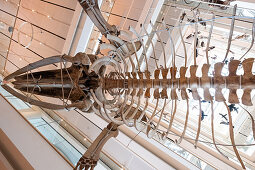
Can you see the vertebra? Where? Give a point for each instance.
(232, 82)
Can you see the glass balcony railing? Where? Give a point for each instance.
(72, 154)
(172, 146)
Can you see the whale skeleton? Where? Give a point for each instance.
(119, 89)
